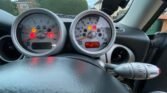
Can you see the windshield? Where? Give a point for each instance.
(61, 7)
(68, 7)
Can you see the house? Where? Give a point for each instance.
(23, 5)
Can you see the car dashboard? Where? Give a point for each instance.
(92, 33)
(42, 47)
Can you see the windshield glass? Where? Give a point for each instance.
(61, 7)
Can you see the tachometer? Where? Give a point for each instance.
(92, 33)
(38, 32)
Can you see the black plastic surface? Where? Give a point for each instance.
(56, 75)
(159, 43)
(6, 19)
(134, 39)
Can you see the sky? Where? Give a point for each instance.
(13, 0)
(91, 2)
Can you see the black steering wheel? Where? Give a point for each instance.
(65, 74)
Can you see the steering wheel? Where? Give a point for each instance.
(63, 74)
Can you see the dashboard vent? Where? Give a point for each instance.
(8, 52)
(120, 54)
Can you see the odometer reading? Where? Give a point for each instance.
(92, 44)
(41, 46)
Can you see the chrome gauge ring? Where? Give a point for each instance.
(38, 32)
(92, 33)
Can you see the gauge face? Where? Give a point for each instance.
(38, 32)
(93, 33)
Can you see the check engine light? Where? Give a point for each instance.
(92, 44)
(89, 27)
(34, 30)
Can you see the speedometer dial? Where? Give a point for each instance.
(92, 33)
(38, 32)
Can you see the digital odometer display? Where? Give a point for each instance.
(93, 32)
(38, 32)
(40, 46)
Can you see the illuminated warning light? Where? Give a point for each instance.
(33, 30)
(51, 35)
(94, 28)
(92, 44)
(89, 27)
(32, 35)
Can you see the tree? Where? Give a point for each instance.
(8, 6)
(58, 6)
(64, 6)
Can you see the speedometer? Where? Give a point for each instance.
(38, 32)
(92, 33)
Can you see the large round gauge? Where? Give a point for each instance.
(38, 32)
(92, 33)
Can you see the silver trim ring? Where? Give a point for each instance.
(131, 54)
(4, 59)
(54, 50)
(78, 47)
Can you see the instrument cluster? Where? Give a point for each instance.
(40, 32)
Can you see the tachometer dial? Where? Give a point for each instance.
(92, 33)
(38, 32)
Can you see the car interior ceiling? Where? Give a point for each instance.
(73, 71)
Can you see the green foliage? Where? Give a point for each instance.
(8, 6)
(64, 6)
(58, 6)
(155, 27)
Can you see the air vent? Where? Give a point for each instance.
(120, 54)
(8, 53)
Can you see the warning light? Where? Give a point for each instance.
(34, 30)
(51, 35)
(92, 44)
(94, 27)
(32, 35)
(89, 27)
